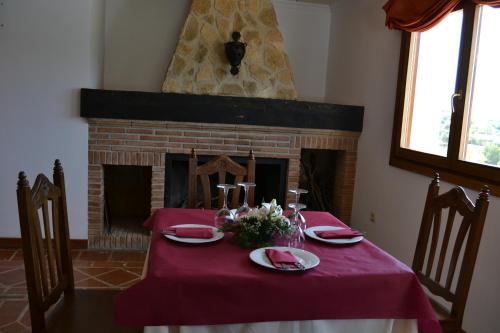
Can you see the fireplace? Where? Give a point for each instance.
(151, 130)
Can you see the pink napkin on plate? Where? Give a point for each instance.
(195, 232)
(281, 259)
(336, 234)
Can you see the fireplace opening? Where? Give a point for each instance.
(270, 180)
(127, 198)
(317, 175)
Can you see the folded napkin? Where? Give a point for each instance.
(195, 232)
(281, 259)
(339, 233)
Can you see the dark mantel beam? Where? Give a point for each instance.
(112, 104)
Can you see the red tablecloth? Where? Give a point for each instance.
(217, 283)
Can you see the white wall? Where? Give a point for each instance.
(49, 50)
(363, 65)
(306, 31)
(140, 39)
(141, 36)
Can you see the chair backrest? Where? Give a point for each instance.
(470, 229)
(221, 165)
(46, 250)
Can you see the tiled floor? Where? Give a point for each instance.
(92, 270)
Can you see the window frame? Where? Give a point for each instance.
(451, 168)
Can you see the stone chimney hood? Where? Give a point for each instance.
(199, 65)
(199, 87)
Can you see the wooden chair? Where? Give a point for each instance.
(55, 305)
(221, 165)
(470, 229)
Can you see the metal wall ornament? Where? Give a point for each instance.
(235, 51)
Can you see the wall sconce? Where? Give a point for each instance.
(235, 51)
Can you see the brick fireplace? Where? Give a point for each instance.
(134, 141)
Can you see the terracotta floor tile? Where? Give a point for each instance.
(95, 255)
(78, 276)
(92, 270)
(82, 263)
(128, 256)
(18, 255)
(116, 264)
(7, 254)
(11, 277)
(95, 271)
(135, 270)
(8, 265)
(10, 310)
(25, 319)
(15, 293)
(117, 277)
(91, 283)
(14, 328)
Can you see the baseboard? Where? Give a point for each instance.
(16, 243)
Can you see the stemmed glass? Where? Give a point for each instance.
(224, 214)
(244, 209)
(298, 225)
(298, 192)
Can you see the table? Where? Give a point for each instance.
(216, 285)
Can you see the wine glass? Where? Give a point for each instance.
(224, 214)
(298, 225)
(298, 192)
(244, 209)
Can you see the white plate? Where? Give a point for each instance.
(306, 258)
(310, 232)
(217, 234)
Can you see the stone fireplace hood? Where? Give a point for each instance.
(132, 105)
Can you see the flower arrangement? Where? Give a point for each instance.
(259, 226)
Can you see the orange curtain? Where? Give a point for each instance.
(492, 3)
(421, 15)
(417, 15)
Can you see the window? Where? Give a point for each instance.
(447, 115)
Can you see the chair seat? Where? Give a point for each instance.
(89, 311)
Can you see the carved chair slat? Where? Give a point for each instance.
(57, 238)
(207, 191)
(48, 244)
(236, 192)
(222, 180)
(444, 245)
(40, 258)
(435, 237)
(462, 232)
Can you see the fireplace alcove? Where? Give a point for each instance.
(270, 179)
(127, 198)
